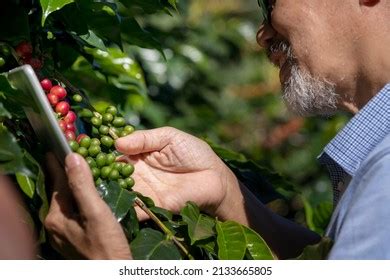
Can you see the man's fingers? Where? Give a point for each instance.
(61, 200)
(144, 141)
(56, 172)
(82, 186)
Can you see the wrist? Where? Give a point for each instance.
(231, 206)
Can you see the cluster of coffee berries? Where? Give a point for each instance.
(25, 52)
(57, 98)
(102, 160)
(98, 149)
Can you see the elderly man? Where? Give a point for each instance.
(333, 55)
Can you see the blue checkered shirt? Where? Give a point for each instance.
(358, 160)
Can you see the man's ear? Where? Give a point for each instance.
(369, 3)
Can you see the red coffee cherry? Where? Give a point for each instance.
(62, 108)
(46, 84)
(70, 117)
(53, 99)
(70, 135)
(80, 137)
(62, 125)
(35, 63)
(24, 49)
(70, 127)
(59, 91)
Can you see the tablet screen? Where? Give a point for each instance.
(39, 113)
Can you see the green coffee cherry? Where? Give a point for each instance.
(119, 122)
(129, 182)
(123, 133)
(86, 113)
(95, 142)
(82, 151)
(107, 141)
(2, 61)
(105, 172)
(107, 118)
(77, 98)
(112, 110)
(96, 121)
(110, 159)
(101, 160)
(98, 181)
(91, 162)
(104, 130)
(122, 183)
(5, 50)
(85, 142)
(74, 145)
(114, 175)
(127, 170)
(129, 129)
(94, 150)
(117, 165)
(95, 172)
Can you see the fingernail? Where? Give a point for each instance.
(72, 161)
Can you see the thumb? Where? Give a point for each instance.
(144, 141)
(82, 186)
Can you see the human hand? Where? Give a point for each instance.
(173, 167)
(79, 222)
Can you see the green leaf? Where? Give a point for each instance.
(11, 155)
(4, 112)
(173, 3)
(44, 209)
(130, 224)
(73, 20)
(210, 247)
(118, 199)
(26, 184)
(152, 245)
(317, 218)
(199, 226)
(49, 6)
(234, 240)
(318, 251)
(135, 35)
(162, 212)
(17, 97)
(40, 191)
(231, 245)
(121, 70)
(105, 25)
(93, 40)
(322, 214)
(256, 246)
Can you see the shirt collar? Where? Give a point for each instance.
(360, 136)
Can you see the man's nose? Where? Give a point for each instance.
(265, 35)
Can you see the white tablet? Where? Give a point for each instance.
(40, 114)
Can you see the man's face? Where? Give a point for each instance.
(309, 42)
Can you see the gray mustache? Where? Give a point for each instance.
(281, 47)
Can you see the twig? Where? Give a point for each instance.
(166, 230)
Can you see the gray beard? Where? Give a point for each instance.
(304, 94)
